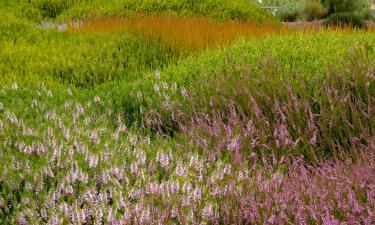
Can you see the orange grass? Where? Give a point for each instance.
(182, 33)
(187, 34)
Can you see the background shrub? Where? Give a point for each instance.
(342, 19)
(354, 6)
(289, 13)
(352, 12)
(314, 10)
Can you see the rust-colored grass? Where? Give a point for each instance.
(182, 33)
(187, 34)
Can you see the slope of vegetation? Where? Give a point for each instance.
(265, 73)
(119, 128)
(240, 9)
(39, 9)
(89, 59)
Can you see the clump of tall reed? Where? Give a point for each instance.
(192, 33)
(182, 33)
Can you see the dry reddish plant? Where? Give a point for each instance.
(183, 33)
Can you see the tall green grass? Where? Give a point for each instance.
(234, 9)
(81, 59)
(38, 10)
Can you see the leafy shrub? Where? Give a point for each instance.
(344, 19)
(352, 12)
(314, 10)
(288, 13)
(362, 7)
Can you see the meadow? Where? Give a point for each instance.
(126, 117)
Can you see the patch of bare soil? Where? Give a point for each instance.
(370, 25)
(302, 25)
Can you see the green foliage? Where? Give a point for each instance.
(13, 27)
(81, 60)
(217, 8)
(313, 10)
(338, 11)
(51, 8)
(344, 19)
(354, 6)
(290, 11)
(78, 9)
(348, 11)
(258, 68)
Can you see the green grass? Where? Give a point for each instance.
(38, 10)
(310, 59)
(234, 9)
(79, 59)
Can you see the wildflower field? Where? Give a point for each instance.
(182, 112)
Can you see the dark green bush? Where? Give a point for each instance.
(344, 19)
(361, 7)
(344, 12)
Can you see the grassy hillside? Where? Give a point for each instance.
(89, 59)
(212, 79)
(264, 72)
(216, 130)
(120, 128)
